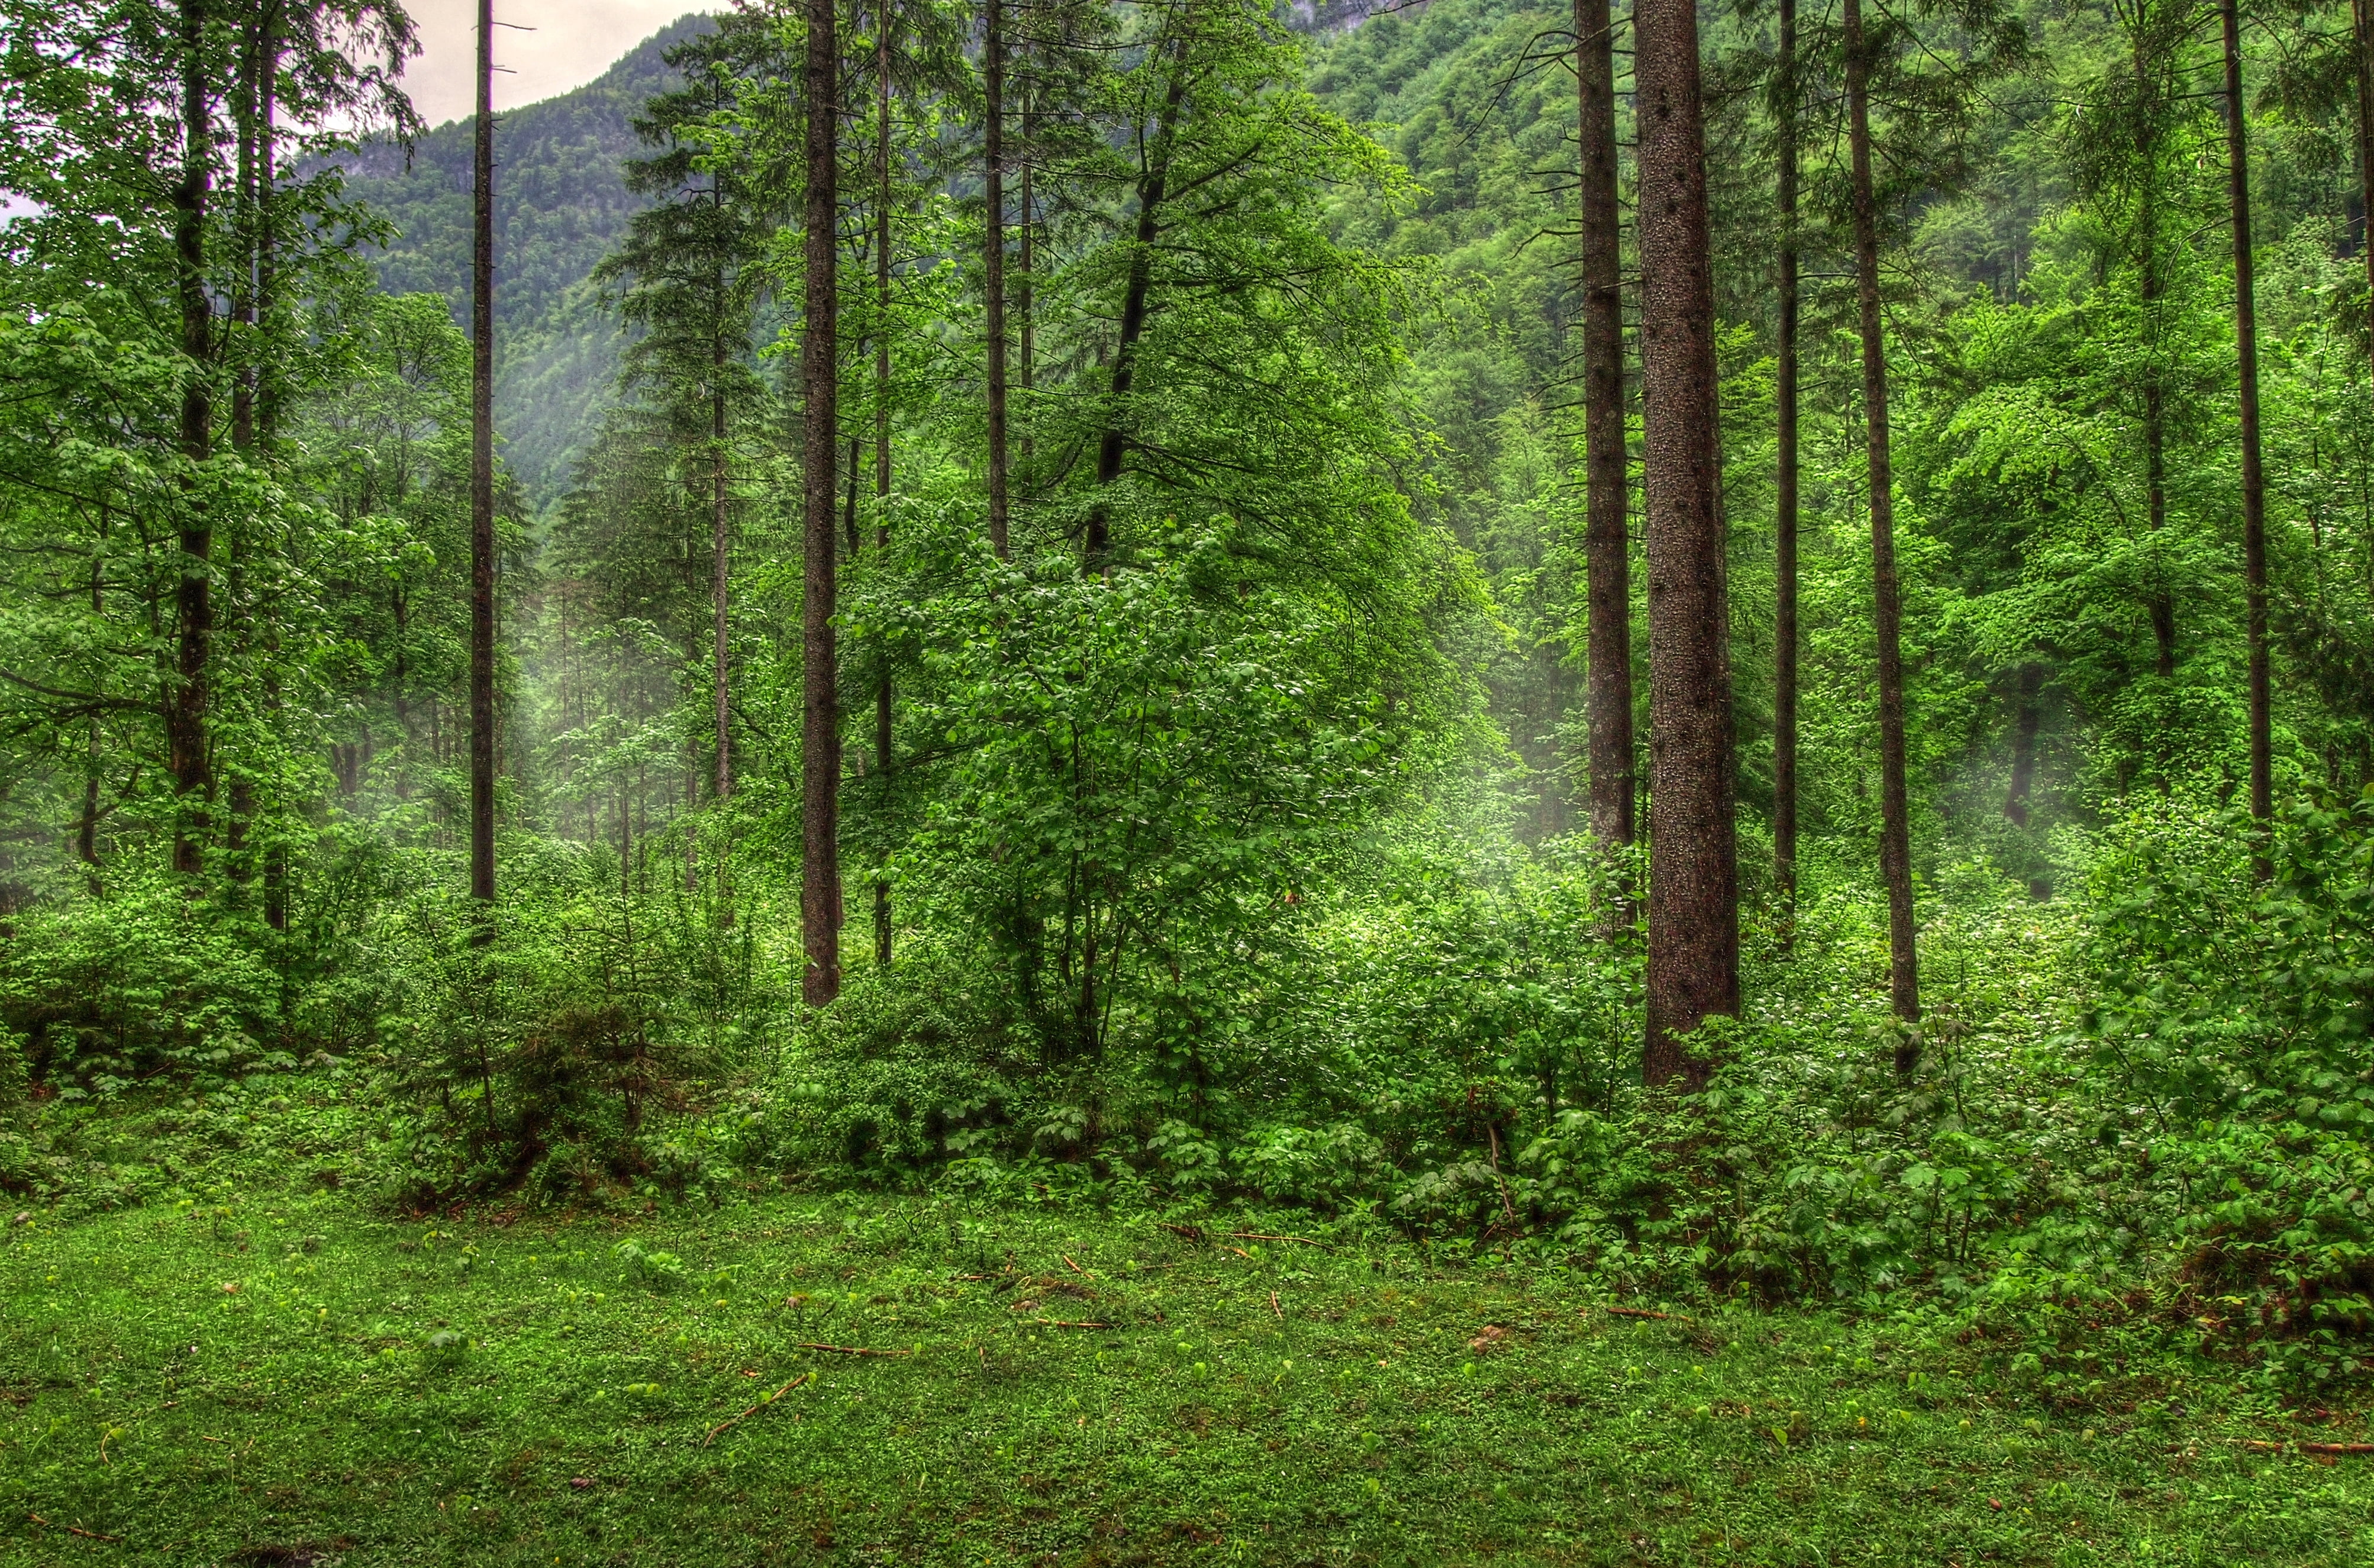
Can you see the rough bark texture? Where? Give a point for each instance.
(1606, 546)
(1784, 431)
(882, 757)
(1693, 855)
(482, 478)
(819, 378)
(1895, 828)
(185, 706)
(992, 71)
(2254, 479)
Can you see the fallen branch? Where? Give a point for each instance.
(848, 1350)
(1073, 1266)
(1266, 1236)
(75, 1530)
(753, 1411)
(2311, 1447)
(1636, 1312)
(1192, 1233)
(1276, 1308)
(1059, 1323)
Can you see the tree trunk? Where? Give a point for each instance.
(2028, 717)
(482, 486)
(1606, 546)
(1152, 185)
(719, 561)
(2254, 481)
(882, 434)
(1693, 855)
(267, 393)
(1895, 828)
(992, 70)
(1785, 397)
(819, 387)
(186, 709)
(2361, 14)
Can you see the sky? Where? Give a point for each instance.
(574, 42)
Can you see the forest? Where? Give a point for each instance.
(1357, 782)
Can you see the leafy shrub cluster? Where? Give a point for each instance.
(2158, 1093)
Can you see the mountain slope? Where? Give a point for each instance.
(560, 206)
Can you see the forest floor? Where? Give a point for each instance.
(288, 1380)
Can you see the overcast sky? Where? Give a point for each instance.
(575, 42)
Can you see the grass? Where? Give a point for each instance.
(286, 1380)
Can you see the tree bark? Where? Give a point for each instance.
(882, 736)
(2254, 479)
(992, 71)
(1153, 186)
(2361, 16)
(1785, 631)
(1693, 854)
(267, 391)
(2027, 718)
(482, 486)
(1606, 548)
(1895, 811)
(820, 908)
(186, 705)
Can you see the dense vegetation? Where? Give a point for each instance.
(1068, 630)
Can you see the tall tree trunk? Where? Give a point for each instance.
(2028, 716)
(246, 92)
(2361, 16)
(1606, 544)
(1784, 394)
(992, 71)
(882, 737)
(186, 709)
(482, 486)
(86, 825)
(267, 392)
(2254, 479)
(1693, 851)
(1153, 186)
(719, 560)
(1894, 810)
(820, 906)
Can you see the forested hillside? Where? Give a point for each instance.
(561, 206)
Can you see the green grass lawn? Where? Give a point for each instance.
(287, 1381)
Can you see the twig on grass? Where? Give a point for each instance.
(1637, 1312)
(1266, 1236)
(848, 1350)
(2311, 1447)
(75, 1530)
(754, 1409)
(1060, 1323)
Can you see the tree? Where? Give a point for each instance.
(1607, 479)
(1693, 855)
(1786, 110)
(1895, 808)
(2254, 482)
(482, 483)
(820, 912)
